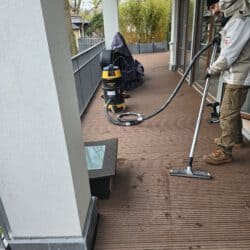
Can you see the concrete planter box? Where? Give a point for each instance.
(141, 48)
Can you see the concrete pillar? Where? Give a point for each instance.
(44, 184)
(111, 21)
(174, 34)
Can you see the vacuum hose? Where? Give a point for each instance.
(135, 118)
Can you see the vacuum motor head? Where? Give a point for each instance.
(111, 72)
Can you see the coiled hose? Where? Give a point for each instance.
(136, 118)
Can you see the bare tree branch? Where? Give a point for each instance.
(71, 36)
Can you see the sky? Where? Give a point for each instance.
(86, 5)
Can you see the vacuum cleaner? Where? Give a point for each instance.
(131, 118)
(113, 88)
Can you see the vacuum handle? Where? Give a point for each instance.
(215, 48)
(197, 127)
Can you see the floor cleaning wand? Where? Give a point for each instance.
(188, 170)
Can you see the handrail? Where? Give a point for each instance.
(87, 73)
(87, 50)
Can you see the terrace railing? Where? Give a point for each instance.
(87, 73)
(87, 42)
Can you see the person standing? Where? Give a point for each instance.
(234, 65)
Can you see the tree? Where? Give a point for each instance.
(93, 9)
(145, 20)
(96, 25)
(131, 20)
(96, 4)
(94, 15)
(71, 35)
(75, 6)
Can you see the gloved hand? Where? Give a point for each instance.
(217, 38)
(208, 73)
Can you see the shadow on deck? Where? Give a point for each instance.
(148, 208)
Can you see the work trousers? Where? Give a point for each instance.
(230, 118)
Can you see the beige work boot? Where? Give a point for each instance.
(236, 145)
(218, 157)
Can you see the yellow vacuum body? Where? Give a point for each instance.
(113, 88)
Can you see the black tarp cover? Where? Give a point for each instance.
(132, 70)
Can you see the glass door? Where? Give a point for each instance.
(205, 34)
(185, 33)
(182, 35)
(207, 27)
(189, 32)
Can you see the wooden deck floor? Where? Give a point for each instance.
(151, 210)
